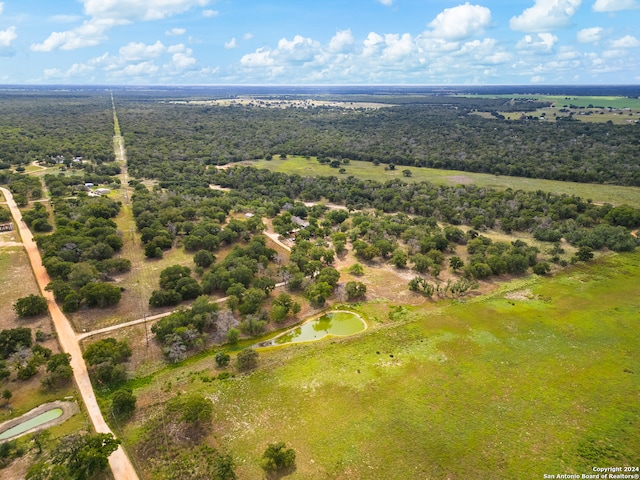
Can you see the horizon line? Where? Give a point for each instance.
(320, 85)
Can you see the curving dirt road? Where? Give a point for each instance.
(121, 466)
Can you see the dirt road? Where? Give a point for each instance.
(120, 464)
(112, 328)
(276, 239)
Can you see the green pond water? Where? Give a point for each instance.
(29, 424)
(340, 324)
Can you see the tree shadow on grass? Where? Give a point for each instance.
(278, 474)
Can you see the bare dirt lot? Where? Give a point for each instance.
(16, 281)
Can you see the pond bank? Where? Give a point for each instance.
(68, 410)
(320, 327)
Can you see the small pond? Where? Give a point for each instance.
(32, 423)
(339, 324)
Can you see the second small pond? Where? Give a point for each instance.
(32, 423)
(340, 324)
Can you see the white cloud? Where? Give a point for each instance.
(139, 69)
(233, 43)
(388, 3)
(460, 22)
(483, 52)
(247, 36)
(7, 36)
(52, 73)
(106, 14)
(89, 34)
(590, 35)
(136, 62)
(66, 18)
(436, 45)
(175, 32)
(372, 44)
(182, 61)
(397, 46)
(568, 53)
(101, 60)
(210, 13)
(626, 42)
(545, 15)
(537, 79)
(78, 69)
(179, 48)
(615, 5)
(259, 58)
(300, 49)
(1, 7)
(376, 59)
(614, 54)
(341, 41)
(139, 9)
(135, 51)
(540, 41)
(297, 53)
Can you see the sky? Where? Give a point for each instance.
(319, 42)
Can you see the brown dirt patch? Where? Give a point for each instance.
(17, 281)
(5, 243)
(520, 295)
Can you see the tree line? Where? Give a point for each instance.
(55, 129)
(176, 142)
(80, 255)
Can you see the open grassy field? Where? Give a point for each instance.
(366, 170)
(591, 109)
(596, 101)
(540, 377)
(16, 281)
(579, 101)
(589, 115)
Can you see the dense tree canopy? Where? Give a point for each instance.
(434, 135)
(30, 306)
(104, 359)
(76, 457)
(55, 128)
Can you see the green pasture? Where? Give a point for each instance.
(578, 101)
(595, 101)
(368, 171)
(541, 379)
(589, 115)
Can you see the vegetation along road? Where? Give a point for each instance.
(121, 466)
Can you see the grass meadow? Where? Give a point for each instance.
(539, 376)
(542, 376)
(366, 170)
(578, 101)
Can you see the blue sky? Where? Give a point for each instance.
(428, 42)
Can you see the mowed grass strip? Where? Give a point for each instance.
(368, 171)
(509, 386)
